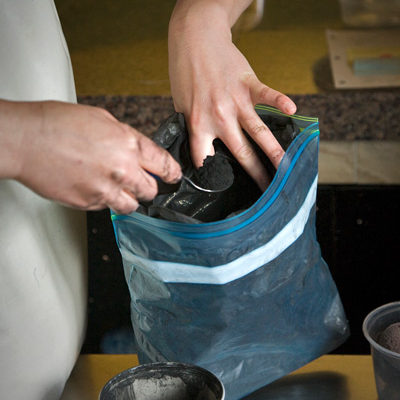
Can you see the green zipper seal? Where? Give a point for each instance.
(276, 111)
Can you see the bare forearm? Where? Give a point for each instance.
(16, 119)
(194, 15)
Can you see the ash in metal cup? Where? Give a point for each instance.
(164, 381)
(386, 362)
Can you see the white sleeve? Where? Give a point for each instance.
(34, 58)
(43, 251)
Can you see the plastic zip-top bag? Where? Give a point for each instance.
(247, 297)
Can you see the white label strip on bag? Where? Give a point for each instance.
(173, 272)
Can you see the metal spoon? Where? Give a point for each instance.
(162, 185)
(204, 189)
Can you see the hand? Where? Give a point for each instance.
(215, 88)
(83, 157)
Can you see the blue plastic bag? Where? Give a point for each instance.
(248, 297)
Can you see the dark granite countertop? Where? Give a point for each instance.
(349, 115)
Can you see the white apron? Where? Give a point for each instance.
(42, 244)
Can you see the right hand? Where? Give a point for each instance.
(81, 156)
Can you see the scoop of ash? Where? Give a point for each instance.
(215, 173)
(390, 337)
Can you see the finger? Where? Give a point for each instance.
(201, 137)
(136, 182)
(201, 146)
(124, 203)
(262, 135)
(263, 94)
(245, 154)
(157, 160)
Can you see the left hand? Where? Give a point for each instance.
(216, 89)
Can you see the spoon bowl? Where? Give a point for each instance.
(202, 189)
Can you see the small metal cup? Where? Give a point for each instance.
(166, 381)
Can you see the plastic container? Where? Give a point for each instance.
(164, 381)
(386, 362)
(370, 13)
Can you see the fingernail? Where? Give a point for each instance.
(177, 179)
(290, 108)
